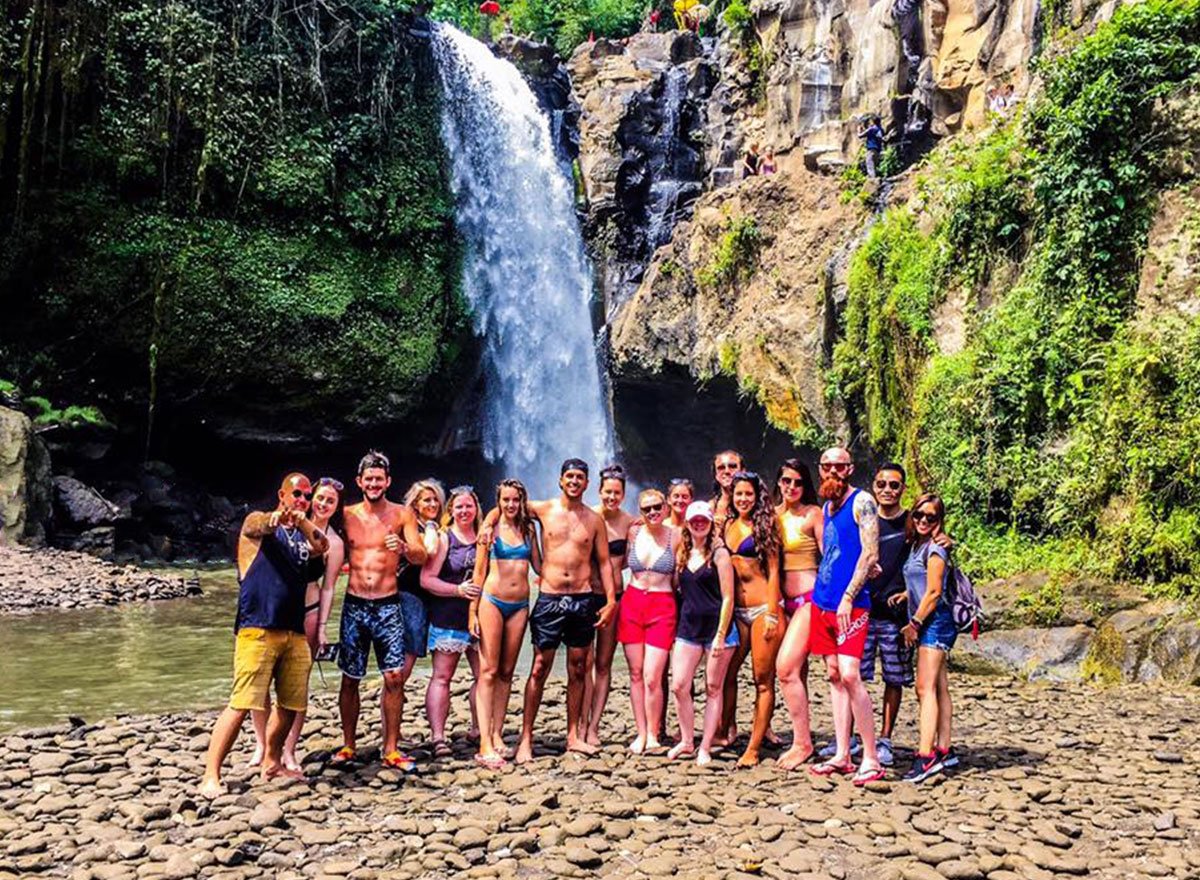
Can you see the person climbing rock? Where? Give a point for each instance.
(872, 134)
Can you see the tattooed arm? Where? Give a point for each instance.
(866, 514)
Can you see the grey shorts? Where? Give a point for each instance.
(883, 637)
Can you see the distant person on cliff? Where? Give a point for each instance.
(318, 603)
(616, 525)
(932, 630)
(279, 552)
(574, 538)
(498, 619)
(725, 465)
(449, 578)
(767, 165)
(750, 162)
(378, 534)
(840, 605)
(872, 136)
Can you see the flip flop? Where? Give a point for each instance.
(344, 755)
(863, 777)
(399, 761)
(441, 749)
(491, 762)
(828, 768)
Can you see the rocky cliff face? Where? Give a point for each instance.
(24, 480)
(641, 146)
(923, 67)
(748, 288)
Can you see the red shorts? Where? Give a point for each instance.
(646, 618)
(824, 638)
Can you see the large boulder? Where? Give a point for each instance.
(24, 480)
(1055, 653)
(83, 518)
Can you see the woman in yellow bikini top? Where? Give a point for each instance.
(801, 523)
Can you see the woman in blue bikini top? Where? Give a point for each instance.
(498, 617)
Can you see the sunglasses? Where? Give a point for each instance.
(679, 481)
(728, 465)
(922, 516)
(462, 490)
(894, 485)
(746, 475)
(791, 481)
(652, 508)
(307, 496)
(837, 466)
(330, 481)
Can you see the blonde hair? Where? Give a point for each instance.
(420, 486)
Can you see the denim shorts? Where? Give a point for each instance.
(416, 624)
(884, 639)
(939, 631)
(449, 641)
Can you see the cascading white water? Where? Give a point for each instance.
(525, 275)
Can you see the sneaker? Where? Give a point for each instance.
(830, 748)
(923, 767)
(949, 757)
(883, 748)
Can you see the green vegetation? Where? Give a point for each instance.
(739, 19)
(736, 255)
(224, 212)
(1063, 433)
(563, 23)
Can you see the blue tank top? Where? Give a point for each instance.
(839, 557)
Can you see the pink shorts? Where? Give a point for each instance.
(647, 618)
(824, 638)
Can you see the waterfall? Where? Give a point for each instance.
(524, 273)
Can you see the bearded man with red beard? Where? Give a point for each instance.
(840, 607)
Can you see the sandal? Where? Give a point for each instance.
(828, 768)
(441, 749)
(399, 761)
(862, 777)
(344, 755)
(491, 762)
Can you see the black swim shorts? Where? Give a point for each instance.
(564, 619)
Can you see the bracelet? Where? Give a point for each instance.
(774, 618)
(916, 623)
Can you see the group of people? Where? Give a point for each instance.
(777, 573)
(757, 162)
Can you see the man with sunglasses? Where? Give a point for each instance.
(279, 552)
(725, 465)
(378, 533)
(840, 606)
(574, 539)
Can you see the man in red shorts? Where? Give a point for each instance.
(840, 607)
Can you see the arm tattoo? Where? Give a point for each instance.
(867, 515)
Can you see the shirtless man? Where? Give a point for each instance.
(378, 533)
(573, 539)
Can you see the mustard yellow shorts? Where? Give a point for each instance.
(261, 655)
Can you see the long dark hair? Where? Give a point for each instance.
(524, 521)
(808, 491)
(765, 522)
(939, 507)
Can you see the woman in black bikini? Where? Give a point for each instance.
(754, 541)
(616, 523)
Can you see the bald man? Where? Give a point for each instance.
(840, 610)
(279, 553)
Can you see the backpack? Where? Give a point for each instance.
(965, 607)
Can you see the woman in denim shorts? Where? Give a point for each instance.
(931, 628)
